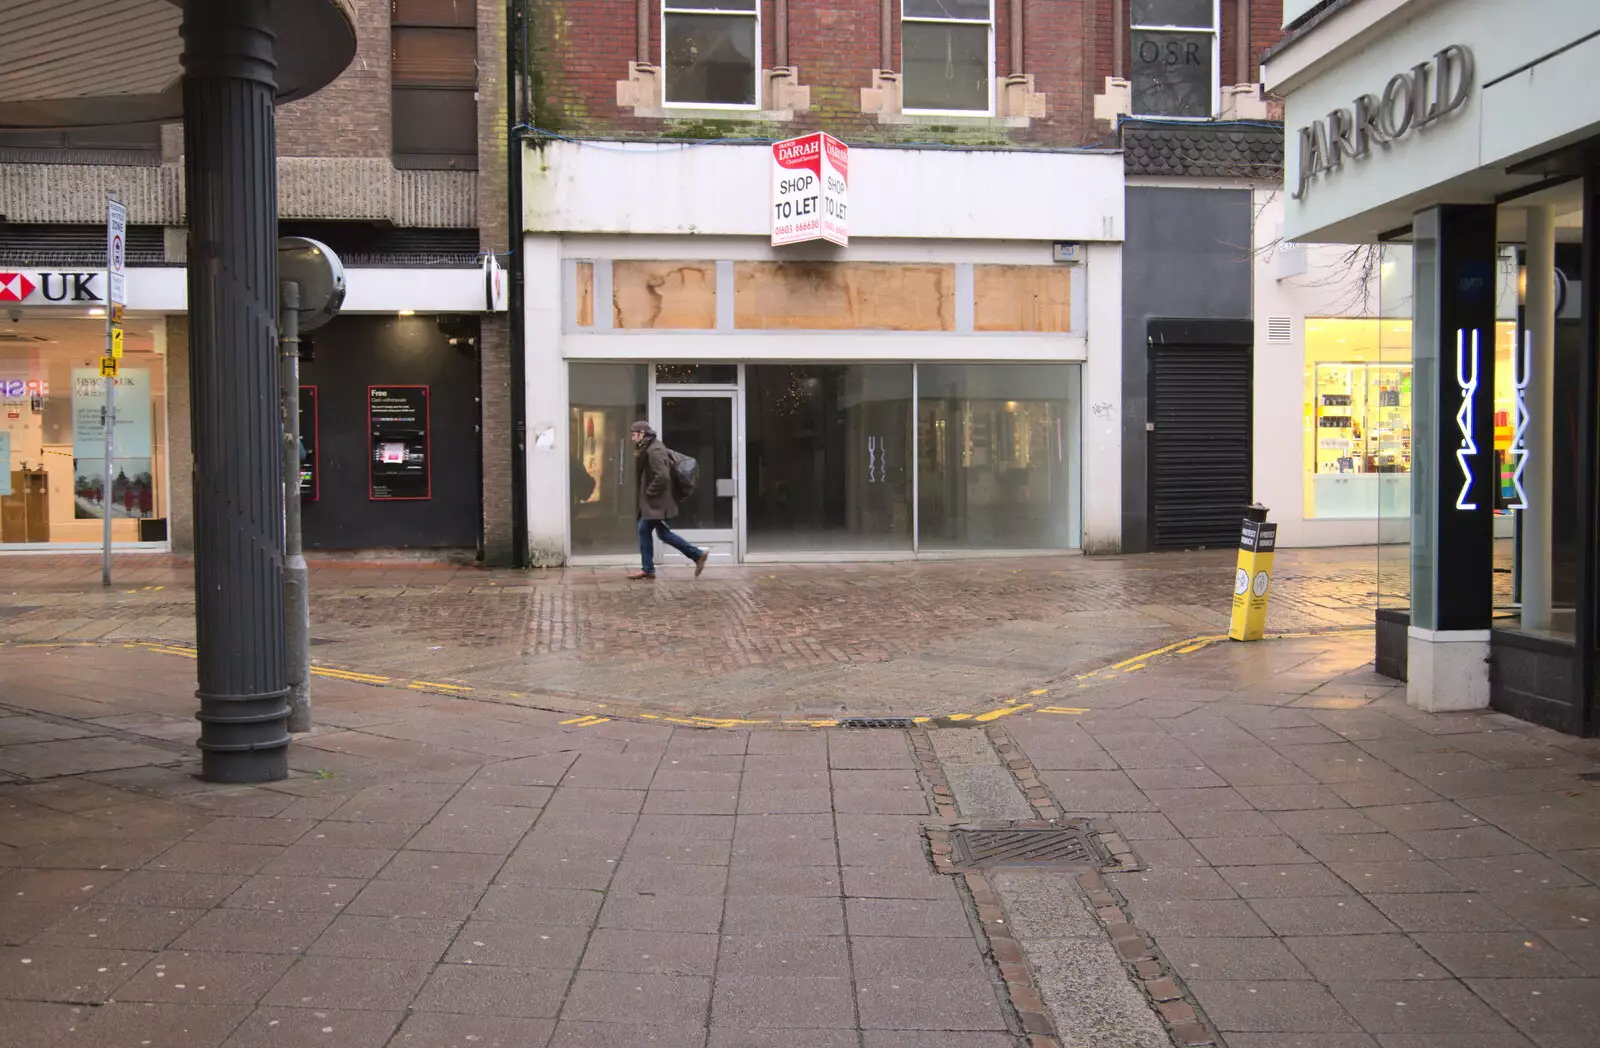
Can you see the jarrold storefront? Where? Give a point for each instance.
(1463, 140)
(944, 384)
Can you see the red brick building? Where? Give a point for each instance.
(972, 72)
(954, 380)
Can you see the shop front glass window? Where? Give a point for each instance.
(605, 399)
(1358, 418)
(1395, 305)
(997, 456)
(828, 456)
(54, 487)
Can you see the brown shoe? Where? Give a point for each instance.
(700, 565)
(647, 575)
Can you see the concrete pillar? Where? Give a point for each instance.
(1539, 309)
(229, 80)
(548, 454)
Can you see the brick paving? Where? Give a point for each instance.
(756, 640)
(1318, 865)
(1324, 866)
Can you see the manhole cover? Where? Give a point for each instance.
(1064, 846)
(877, 722)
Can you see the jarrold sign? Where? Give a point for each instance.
(810, 190)
(1410, 101)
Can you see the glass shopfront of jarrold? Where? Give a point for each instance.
(823, 459)
(54, 488)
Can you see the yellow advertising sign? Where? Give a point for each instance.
(108, 367)
(116, 341)
(1252, 583)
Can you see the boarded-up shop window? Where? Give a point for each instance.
(649, 294)
(1022, 298)
(843, 296)
(585, 295)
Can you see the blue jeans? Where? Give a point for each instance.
(648, 530)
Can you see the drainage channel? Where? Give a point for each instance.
(1065, 979)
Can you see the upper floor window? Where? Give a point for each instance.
(1174, 58)
(947, 55)
(712, 51)
(433, 76)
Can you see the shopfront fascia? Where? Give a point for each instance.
(1491, 214)
(932, 393)
(52, 336)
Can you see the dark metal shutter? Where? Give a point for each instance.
(1200, 449)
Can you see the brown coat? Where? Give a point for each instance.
(655, 483)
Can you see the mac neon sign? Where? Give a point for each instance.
(1467, 379)
(1521, 369)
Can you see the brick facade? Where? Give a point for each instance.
(349, 117)
(581, 51)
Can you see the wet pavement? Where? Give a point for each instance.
(1278, 853)
(768, 641)
(1308, 863)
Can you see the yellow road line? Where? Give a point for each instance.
(959, 716)
(358, 678)
(1003, 712)
(587, 722)
(435, 684)
(1063, 709)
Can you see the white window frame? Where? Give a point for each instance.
(904, 18)
(666, 9)
(1216, 59)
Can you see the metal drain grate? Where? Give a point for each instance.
(1066, 846)
(877, 722)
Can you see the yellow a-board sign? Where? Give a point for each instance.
(1252, 581)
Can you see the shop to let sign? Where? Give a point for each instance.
(810, 190)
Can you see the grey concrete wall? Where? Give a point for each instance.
(1187, 255)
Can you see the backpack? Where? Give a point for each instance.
(685, 473)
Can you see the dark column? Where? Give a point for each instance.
(1587, 686)
(230, 158)
(1453, 473)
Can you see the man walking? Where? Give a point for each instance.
(657, 505)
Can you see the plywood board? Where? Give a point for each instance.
(664, 295)
(843, 296)
(585, 295)
(1022, 298)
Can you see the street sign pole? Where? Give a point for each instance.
(311, 290)
(116, 298)
(296, 577)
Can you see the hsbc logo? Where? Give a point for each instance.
(14, 287)
(37, 288)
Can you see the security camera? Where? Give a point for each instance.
(15, 315)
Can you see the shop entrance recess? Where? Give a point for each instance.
(702, 421)
(1200, 440)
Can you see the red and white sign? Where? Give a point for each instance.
(116, 235)
(37, 287)
(810, 190)
(14, 287)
